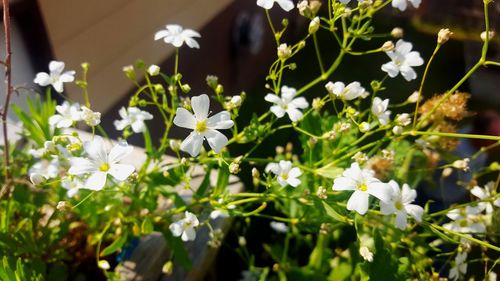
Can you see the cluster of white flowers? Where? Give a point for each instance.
(285, 173)
(287, 104)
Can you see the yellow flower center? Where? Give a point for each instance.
(363, 187)
(284, 176)
(201, 126)
(104, 167)
(463, 223)
(398, 205)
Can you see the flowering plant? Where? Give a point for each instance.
(341, 196)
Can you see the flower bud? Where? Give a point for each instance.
(388, 46)
(90, 117)
(129, 72)
(444, 35)
(490, 35)
(284, 51)
(234, 168)
(314, 25)
(185, 88)
(461, 164)
(397, 130)
(153, 70)
(364, 127)
(413, 98)
(235, 101)
(321, 193)
(104, 264)
(242, 241)
(397, 32)
(212, 81)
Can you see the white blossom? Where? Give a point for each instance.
(185, 228)
(287, 104)
(286, 5)
(484, 194)
(402, 4)
(203, 127)
(400, 204)
(379, 109)
(286, 174)
(402, 61)
(90, 117)
(403, 119)
(279, 227)
(466, 220)
(460, 267)
(364, 184)
(56, 78)
(72, 185)
(349, 92)
(67, 115)
(133, 117)
(99, 163)
(153, 70)
(174, 34)
(366, 253)
(48, 169)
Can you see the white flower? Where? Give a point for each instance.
(56, 78)
(400, 205)
(484, 194)
(174, 34)
(235, 101)
(36, 178)
(90, 117)
(461, 164)
(402, 60)
(45, 168)
(466, 220)
(99, 163)
(364, 184)
(185, 228)
(364, 127)
(133, 117)
(203, 127)
(284, 51)
(287, 104)
(286, 174)
(153, 70)
(460, 267)
(349, 92)
(403, 119)
(219, 213)
(379, 109)
(279, 227)
(286, 5)
(366, 253)
(402, 4)
(72, 185)
(68, 113)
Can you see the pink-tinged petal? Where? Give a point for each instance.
(58, 86)
(294, 114)
(56, 67)
(415, 211)
(189, 234)
(266, 4)
(408, 73)
(391, 69)
(387, 208)
(221, 120)
(121, 171)
(401, 220)
(96, 181)
(183, 118)
(358, 202)
(176, 229)
(216, 140)
(293, 182)
(295, 173)
(278, 111)
(286, 5)
(161, 34)
(68, 76)
(414, 59)
(80, 166)
(273, 98)
(200, 105)
(380, 190)
(192, 144)
(42, 79)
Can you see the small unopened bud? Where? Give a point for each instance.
(388, 46)
(255, 173)
(104, 264)
(61, 205)
(242, 241)
(184, 161)
(444, 35)
(397, 130)
(235, 101)
(212, 81)
(301, 44)
(413, 98)
(314, 25)
(234, 168)
(159, 88)
(446, 172)
(403, 119)
(36, 178)
(279, 150)
(129, 72)
(284, 51)
(360, 157)
(168, 268)
(321, 193)
(317, 104)
(366, 254)
(397, 32)
(219, 89)
(185, 88)
(461, 164)
(388, 154)
(364, 127)
(488, 37)
(153, 70)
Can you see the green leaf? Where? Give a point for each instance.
(222, 179)
(330, 172)
(204, 185)
(147, 226)
(334, 215)
(179, 252)
(115, 246)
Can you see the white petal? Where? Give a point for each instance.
(96, 149)
(183, 118)
(358, 202)
(299, 103)
(391, 69)
(192, 43)
(266, 4)
(189, 33)
(221, 120)
(58, 86)
(408, 73)
(192, 144)
(64, 123)
(401, 220)
(478, 192)
(42, 79)
(415, 211)
(282, 181)
(273, 98)
(408, 195)
(387, 208)
(161, 34)
(119, 152)
(176, 229)
(215, 139)
(294, 114)
(121, 171)
(414, 59)
(402, 46)
(295, 173)
(68, 76)
(415, 3)
(274, 168)
(81, 166)
(56, 67)
(96, 181)
(278, 111)
(138, 126)
(380, 190)
(293, 181)
(54, 119)
(286, 5)
(200, 105)
(189, 234)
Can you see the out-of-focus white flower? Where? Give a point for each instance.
(174, 34)
(466, 220)
(460, 267)
(56, 78)
(279, 227)
(72, 185)
(403, 119)
(366, 254)
(379, 109)
(360, 157)
(286, 174)
(36, 178)
(90, 117)
(47, 169)
(402, 4)
(235, 101)
(203, 127)
(400, 204)
(462, 164)
(185, 228)
(219, 213)
(153, 70)
(314, 25)
(490, 35)
(349, 92)
(402, 61)
(414, 97)
(364, 127)
(484, 194)
(67, 115)
(364, 184)
(133, 117)
(284, 51)
(286, 5)
(287, 104)
(99, 163)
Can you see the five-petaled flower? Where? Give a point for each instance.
(402, 4)
(460, 267)
(286, 174)
(364, 184)
(133, 117)
(349, 92)
(56, 78)
(287, 104)
(203, 127)
(68, 114)
(286, 5)
(379, 109)
(176, 35)
(185, 228)
(402, 60)
(99, 163)
(400, 204)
